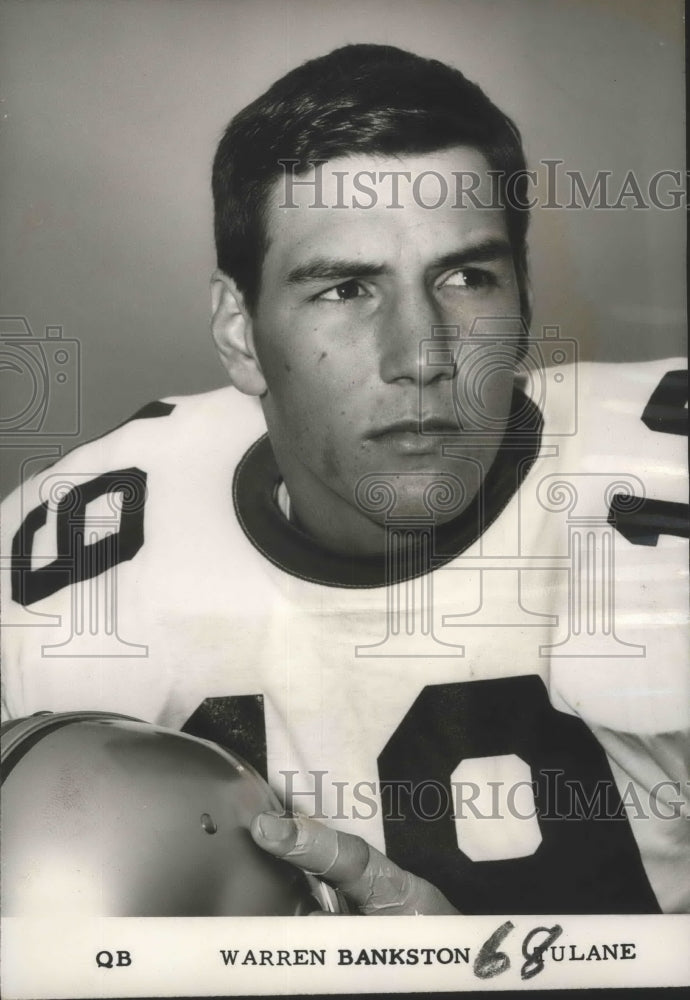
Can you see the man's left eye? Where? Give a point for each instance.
(343, 292)
(469, 277)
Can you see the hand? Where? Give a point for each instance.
(366, 877)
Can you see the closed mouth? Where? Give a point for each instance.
(428, 427)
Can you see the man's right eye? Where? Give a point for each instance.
(343, 292)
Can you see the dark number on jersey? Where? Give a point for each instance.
(586, 863)
(78, 558)
(643, 520)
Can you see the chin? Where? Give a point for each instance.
(427, 495)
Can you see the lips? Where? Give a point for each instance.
(422, 428)
(413, 437)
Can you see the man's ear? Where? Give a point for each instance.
(232, 330)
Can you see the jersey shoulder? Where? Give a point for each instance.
(93, 507)
(161, 440)
(627, 419)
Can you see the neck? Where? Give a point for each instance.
(336, 525)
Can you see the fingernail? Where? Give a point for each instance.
(275, 829)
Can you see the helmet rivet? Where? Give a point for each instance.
(207, 823)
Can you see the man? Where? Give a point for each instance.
(399, 605)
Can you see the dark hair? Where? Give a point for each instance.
(357, 99)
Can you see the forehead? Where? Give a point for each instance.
(404, 206)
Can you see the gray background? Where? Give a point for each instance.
(111, 111)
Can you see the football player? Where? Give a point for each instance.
(439, 605)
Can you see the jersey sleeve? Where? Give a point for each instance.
(624, 666)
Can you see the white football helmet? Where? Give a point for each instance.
(107, 815)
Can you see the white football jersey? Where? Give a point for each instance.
(498, 704)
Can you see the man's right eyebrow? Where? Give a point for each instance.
(332, 268)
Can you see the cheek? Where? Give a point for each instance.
(311, 407)
(329, 456)
(487, 383)
(311, 381)
(330, 442)
(313, 398)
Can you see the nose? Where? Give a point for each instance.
(410, 348)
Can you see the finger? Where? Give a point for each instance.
(385, 889)
(365, 876)
(313, 847)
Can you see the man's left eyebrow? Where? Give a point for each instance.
(477, 253)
